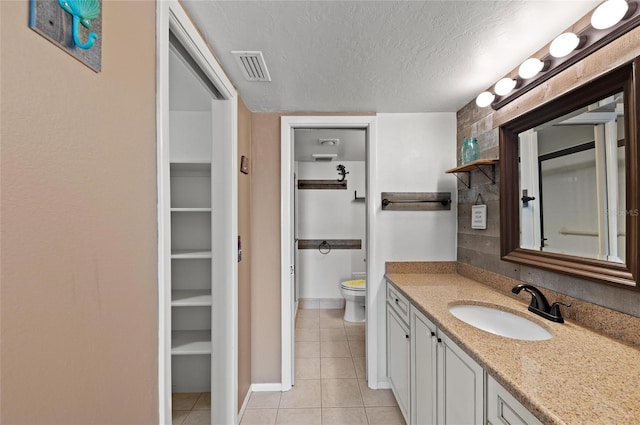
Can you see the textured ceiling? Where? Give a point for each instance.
(378, 56)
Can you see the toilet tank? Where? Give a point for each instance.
(358, 275)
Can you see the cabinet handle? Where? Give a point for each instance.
(435, 339)
(406, 336)
(396, 301)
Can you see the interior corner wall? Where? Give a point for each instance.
(244, 266)
(481, 248)
(79, 301)
(412, 153)
(266, 339)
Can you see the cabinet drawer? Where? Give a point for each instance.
(503, 408)
(398, 303)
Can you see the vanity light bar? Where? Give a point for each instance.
(566, 50)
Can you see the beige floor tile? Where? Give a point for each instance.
(337, 367)
(308, 313)
(331, 322)
(333, 334)
(354, 333)
(308, 323)
(264, 399)
(360, 363)
(184, 401)
(357, 348)
(335, 349)
(198, 417)
(341, 393)
(344, 416)
(307, 334)
(307, 368)
(204, 401)
(354, 325)
(178, 416)
(299, 417)
(305, 393)
(376, 398)
(259, 417)
(332, 313)
(384, 416)
(307, 349)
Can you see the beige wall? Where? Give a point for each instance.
(265, 247)
(78, 224)
(244, 266)
(481, 248)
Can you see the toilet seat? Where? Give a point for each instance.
(358, 285)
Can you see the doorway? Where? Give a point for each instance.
(289, 125)
(197, 238)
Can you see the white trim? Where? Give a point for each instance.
(171, 16)
(245, 403)
(256, 388)
(287, 124)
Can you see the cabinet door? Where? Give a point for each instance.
(460, 386)
(503, 408)
(423, 370)
(398, 345)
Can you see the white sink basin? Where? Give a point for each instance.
(500, 322)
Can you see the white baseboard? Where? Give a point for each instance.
(276, 386)
(321, 303)
(244, 404)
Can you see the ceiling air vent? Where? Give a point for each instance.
(252, 66)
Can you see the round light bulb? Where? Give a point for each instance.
(484, 99)
(564, 44)
(504, 86)
(609, 13)
(530, 68)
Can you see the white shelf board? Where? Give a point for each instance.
(191, 298)
(190, 210)
(190, 342)
(190, 253)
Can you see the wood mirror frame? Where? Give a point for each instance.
(624, 79)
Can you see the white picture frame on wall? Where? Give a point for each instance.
(479, 217)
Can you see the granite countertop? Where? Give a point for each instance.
(576, 377)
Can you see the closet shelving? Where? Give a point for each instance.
(191, 265)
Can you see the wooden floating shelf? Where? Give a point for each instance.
(322, 184)
(333, 243)
(416, 201)
(478, 165)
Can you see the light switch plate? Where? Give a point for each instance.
(479, 217)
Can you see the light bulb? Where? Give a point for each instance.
(530, 68)
(609, 13)
(564, 44)
(484, 99)
(504, 86)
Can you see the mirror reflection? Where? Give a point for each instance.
(572, 183)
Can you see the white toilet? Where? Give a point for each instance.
(354, 292)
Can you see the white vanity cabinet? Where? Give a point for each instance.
(503, 408)
(447, 386)
(398, 346)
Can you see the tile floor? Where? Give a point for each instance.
(191, 409)
(330, 386)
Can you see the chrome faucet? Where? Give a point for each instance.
(539, 304)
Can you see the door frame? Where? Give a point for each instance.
(170, 16)
(287, 125)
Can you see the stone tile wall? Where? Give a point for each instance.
(481, 248)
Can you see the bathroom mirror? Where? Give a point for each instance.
(569, 182)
